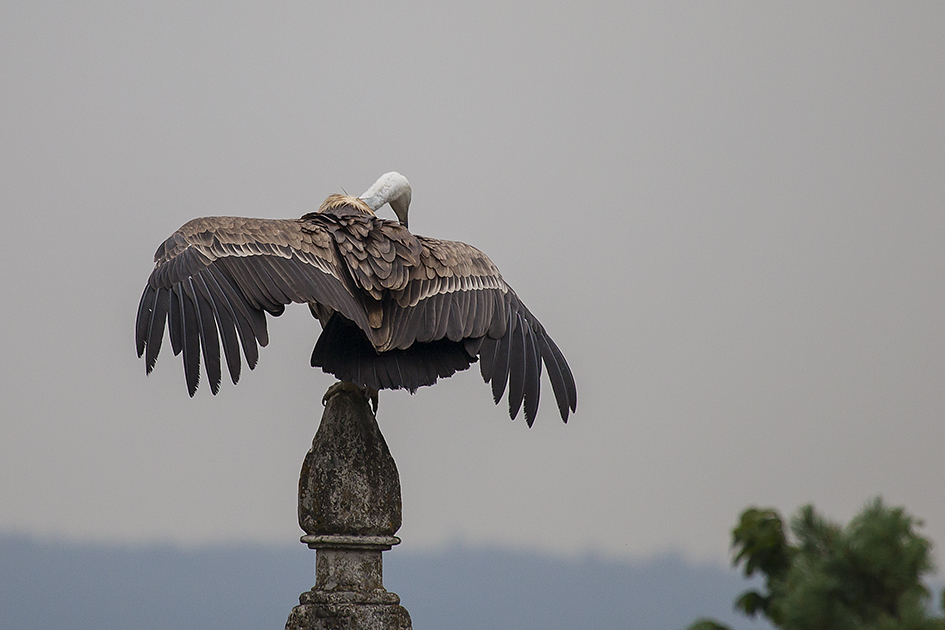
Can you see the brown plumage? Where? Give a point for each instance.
(397, 310)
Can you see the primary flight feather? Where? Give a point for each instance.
(397, 310)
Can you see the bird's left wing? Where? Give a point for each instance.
(216, 277)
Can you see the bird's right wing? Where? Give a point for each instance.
(457, 293)
(216, 277)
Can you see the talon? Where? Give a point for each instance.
(368, 393)
(371, 394)
(335, 389)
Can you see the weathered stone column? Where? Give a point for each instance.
(350, 509)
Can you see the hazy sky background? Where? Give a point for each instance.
(730, 217)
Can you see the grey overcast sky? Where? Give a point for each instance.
(730, 216)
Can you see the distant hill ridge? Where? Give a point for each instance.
(99, 587)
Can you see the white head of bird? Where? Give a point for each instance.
(392, 188)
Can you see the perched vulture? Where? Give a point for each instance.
(397, 310)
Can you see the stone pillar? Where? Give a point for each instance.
(350, 509)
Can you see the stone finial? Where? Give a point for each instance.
(349, 483)
(350, 509)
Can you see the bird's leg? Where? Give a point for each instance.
(369, 393)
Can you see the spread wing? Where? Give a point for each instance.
(216, 277)
(457, 293)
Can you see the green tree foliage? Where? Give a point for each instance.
(865, 576)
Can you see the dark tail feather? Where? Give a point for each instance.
(517, 367)
(562, 381)
(209, 337)
(156, 330)
(190, 332)
(343, 350)
(143, 321)
(532, 376)
(500, 374)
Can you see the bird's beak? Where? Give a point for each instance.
(400, 206)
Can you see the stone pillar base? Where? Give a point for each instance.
(349, 592)
(338, 601)
(330, 611)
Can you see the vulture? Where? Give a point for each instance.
(397, 310)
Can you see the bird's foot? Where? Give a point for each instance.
(368, 393)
